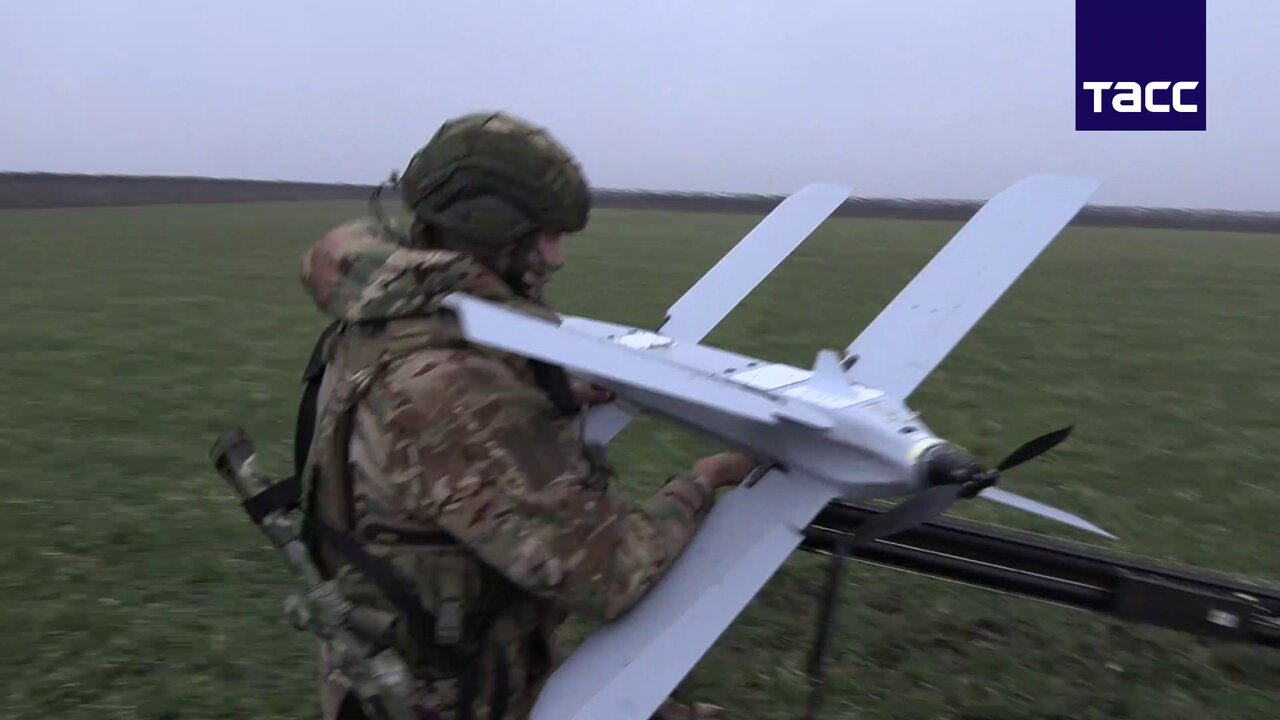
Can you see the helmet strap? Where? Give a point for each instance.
(519, 263)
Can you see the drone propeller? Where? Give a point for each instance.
(922, 507)
(1034, 448)
(963, 482)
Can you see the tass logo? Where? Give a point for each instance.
(1140, 65)
(1134, 97)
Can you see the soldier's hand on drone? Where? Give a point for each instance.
(725, 469)
(587, 394)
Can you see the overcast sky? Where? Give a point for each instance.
(899, 98)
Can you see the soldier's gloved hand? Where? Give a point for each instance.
(585, 393)
(725, 469)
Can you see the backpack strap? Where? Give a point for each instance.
(312, 375)
(286, 494)
(553, 381)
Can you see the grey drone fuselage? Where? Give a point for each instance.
(855, 438)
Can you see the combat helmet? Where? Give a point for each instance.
(493, 179)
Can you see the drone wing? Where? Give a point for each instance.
(603, 422)
(627, 668)
(704, 305)
(716, 293)
(915, 332)
(681, 390)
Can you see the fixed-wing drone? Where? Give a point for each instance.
(840, 430)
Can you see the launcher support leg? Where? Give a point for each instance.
(825, 627)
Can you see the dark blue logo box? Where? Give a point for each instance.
(1140, 65)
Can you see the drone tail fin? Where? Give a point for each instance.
(827, 375)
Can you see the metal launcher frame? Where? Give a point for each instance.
(1131, 589)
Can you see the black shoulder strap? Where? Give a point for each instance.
(286, 494)
(306, 423)
(555, 383)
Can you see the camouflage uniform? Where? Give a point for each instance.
(458, 465)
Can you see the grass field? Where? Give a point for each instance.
(132, 586)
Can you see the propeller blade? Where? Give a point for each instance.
(921, 507)
(1034, 448)
(1046, 511)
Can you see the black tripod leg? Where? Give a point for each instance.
(825, 627)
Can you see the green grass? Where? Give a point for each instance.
(132, 586)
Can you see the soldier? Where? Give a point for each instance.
(446, 481)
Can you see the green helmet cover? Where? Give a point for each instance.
(494, 179)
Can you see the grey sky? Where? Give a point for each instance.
(909, 98)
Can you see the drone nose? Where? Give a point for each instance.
(947, 465)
